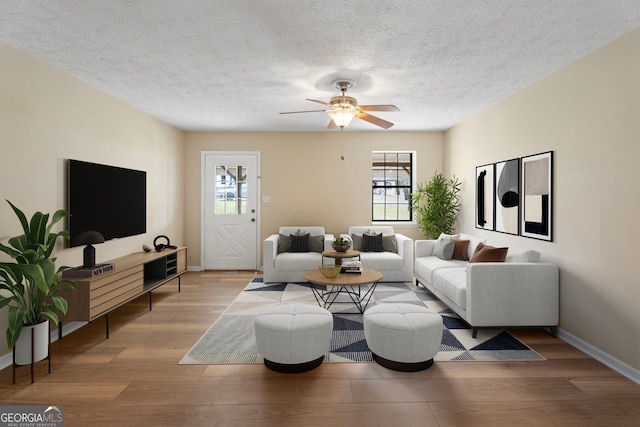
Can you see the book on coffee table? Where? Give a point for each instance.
(351, 267)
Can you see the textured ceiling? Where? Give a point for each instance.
(234, 65)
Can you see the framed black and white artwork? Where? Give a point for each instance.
(507, 196)
(537, 200)
(485, 197)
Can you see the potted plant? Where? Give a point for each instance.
(436, 204)
(341, 244)
(31, 284)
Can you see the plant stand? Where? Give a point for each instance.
(48, 358)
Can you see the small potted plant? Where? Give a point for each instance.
(31, 284)
(341, 244)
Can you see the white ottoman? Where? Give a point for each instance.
(293, 337)
(403, 337)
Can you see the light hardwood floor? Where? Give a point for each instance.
(133, 379)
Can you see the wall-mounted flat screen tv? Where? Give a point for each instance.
(108, 199)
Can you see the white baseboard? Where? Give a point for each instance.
(67, 328)
(613, 363)
(198, 268)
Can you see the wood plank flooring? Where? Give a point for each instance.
(133, 379)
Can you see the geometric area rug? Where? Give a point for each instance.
(231, 340)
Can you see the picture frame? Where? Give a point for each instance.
(537, 196)
(485, 197)
(507, 196)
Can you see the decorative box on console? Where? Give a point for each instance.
(84, 272)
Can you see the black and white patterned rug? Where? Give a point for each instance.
(231, 340)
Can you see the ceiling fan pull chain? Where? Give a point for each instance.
(342, 143)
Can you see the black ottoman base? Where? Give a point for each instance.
(401, 366)
(293, 368)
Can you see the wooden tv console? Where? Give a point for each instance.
(132, 276)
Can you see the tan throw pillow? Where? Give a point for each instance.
(460, 249)
(485, 253)
(357, 242)
(389, 243)
(283, 243)
(316, 243)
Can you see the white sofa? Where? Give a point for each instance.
(395, 266)
(519, 292)
(280, 265)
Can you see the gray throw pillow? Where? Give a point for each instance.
(316, 243)
(444, 248)
(389, 243)
(357, 242)
(283, 243)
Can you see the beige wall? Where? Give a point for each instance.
(589, 115)
(304, 177)
(47, 116)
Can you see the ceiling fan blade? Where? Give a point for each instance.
(308, 111)
(332, 125)
(319, 102)
(388, 107)
(375, 120)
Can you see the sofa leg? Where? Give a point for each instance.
(554, 331)
(474, 332)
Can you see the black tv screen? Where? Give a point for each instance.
(107, 199)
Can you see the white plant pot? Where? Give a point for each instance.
(22, 350)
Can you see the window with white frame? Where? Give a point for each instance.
(392, 184)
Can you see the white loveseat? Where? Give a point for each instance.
(519, 292)
(281, 265)
(395, 262)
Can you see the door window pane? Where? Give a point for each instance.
(231, 190)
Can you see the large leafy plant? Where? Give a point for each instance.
(31, 284)
(436, 204)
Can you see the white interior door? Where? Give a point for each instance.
(230, 217)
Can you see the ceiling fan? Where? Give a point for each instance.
(342, 108)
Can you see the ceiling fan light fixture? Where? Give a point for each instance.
(342, 116)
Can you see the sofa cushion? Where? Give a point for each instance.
(452, 282)
(382, 261)
(449, 236)
(473, 243)
(299, 243)
(486, 253)
(372, 243)
(460, 249)
(301, 261)
(444, 248)
(426, 265)
(516, 254)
